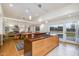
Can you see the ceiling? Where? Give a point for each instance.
(18, 11)
(22, 11)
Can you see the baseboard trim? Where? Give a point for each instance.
(71, 42)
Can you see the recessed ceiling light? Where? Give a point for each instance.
(11, 25)
(27, 11)
(11, 5)
(40, 20)
(46, 22)
(30, 17)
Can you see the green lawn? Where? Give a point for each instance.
(70, 34)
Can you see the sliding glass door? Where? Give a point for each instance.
(57, 29)
(70, 31)
(67, 31)
(77, 32)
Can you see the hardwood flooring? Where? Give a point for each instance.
(9, 49)
(64, 49)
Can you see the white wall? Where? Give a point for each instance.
(46, 28)
(1, 25)
(1, 20)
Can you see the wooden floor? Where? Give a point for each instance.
(65, 49)
(9, 49)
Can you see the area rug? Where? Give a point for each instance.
(20, 45)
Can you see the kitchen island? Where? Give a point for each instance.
(40, 46)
